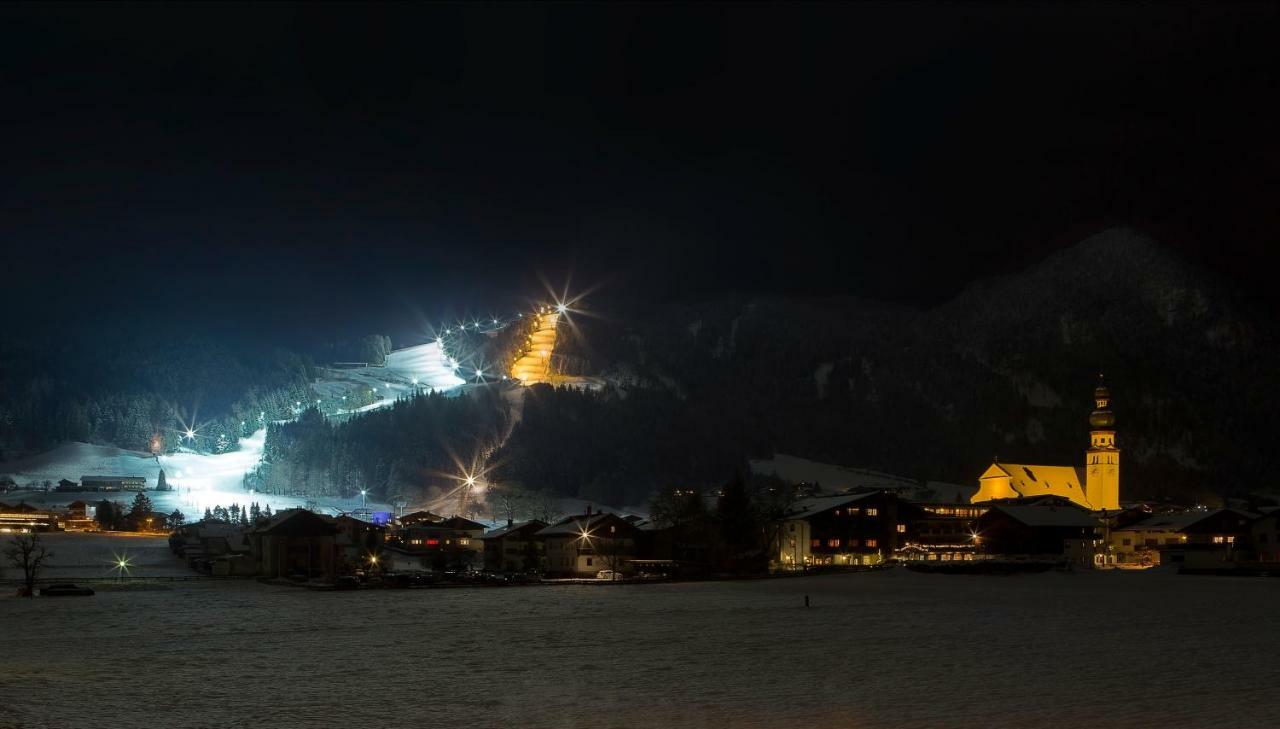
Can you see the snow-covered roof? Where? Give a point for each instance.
(1048, 515)
(1030, 480)
(297, 522)
(813, 505)
(504, 530)
(579, 524)
(1176, 522)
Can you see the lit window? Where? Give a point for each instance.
(902, 528)
(1217, 540)
(871, 543)
(833, 542)
(432, 542)
(815, 543)
(873, 512)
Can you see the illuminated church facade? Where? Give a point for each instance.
(1096, 486)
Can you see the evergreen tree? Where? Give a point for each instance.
(207, 514)
(175, 520)
(106, 515)
(255, 512)
(140, 510)
(266, 511)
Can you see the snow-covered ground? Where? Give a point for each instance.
(199, 481)
(408, 371)
(77, 556)
(893, 649)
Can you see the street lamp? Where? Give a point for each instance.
(363, 493)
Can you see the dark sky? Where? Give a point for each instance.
(307, 169)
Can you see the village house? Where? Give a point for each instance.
(296, 543)
(515, 547)
(359, 543)
(215, 547)
(453, 543)
(1221, 539)
(940, 532)
(1145, 542)
(1049, 529)
(80, 517)
(585, 544)
(839, 530)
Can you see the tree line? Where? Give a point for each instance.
(401, 452)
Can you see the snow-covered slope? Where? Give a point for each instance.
(199, 481)
(408, 371)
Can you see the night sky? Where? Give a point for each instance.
(307, 172)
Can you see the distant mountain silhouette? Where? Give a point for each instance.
(1005, 369)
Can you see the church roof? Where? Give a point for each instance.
(1029, 480)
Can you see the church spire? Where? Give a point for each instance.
(1102, 461)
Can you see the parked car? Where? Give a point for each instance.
(608, 575)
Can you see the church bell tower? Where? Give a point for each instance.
(1102, 460)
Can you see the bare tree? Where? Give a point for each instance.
(29, 554)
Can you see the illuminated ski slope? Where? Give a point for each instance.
(408, 371)
(535, 365)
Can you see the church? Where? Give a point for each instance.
(1096, 486)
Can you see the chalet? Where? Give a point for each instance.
(295, 543)
(454, 543)
(1145, 542)
(419, 517)
(584, 544)
(940, 531)
(1218, 540)
(215, 547)
(68, 485)
(80, 516)
(514, 548)
(844, 529)
(359, 542)
(1049, 529)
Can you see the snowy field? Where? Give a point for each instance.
(80, 555)
(893, 649)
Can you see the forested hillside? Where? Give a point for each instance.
(141, 392)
